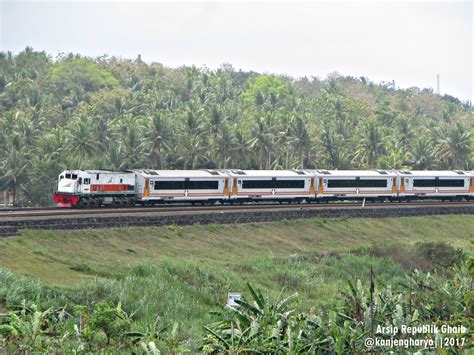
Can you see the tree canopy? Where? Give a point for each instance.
(76, 112)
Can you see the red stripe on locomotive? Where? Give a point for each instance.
(109, 187)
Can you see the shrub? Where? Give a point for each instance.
(406, 258)
(440, 253)
(82, 267)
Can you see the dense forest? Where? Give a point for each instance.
(112, 113)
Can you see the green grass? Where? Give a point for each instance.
(53, 256)
(181, 273)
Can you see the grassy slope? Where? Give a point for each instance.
(50, 255)
(197, 265)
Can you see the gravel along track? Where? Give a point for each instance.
(12, 222)
(58, 212)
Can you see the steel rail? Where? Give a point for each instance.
(225, 207)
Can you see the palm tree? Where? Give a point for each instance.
(216, 119)
(241, 152)
(404, 132)
(422, 155)
(131, 144)
(14, 169)
(80, 142)
(262, 142)
(370, 145)
(397, 158)
(102, 133)
(301, 140)
(284, 140)
(333, 145)
(192, 152)
(192, 122)
(453, 149)
(225, 146)
(157, 138)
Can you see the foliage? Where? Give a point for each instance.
(262, 326)
(77, 112)
(441, 254)
(160, 304)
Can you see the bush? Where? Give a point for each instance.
(441, 254)
(406, 258)
(82, 267)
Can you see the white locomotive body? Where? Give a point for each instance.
(92, 188)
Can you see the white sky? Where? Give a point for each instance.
(409, 42)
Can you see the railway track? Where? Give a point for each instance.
(58, 212)
(13, 221)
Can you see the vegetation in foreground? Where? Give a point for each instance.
(257, 324)
(165, 299)
(110, 113)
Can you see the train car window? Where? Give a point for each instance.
(451, 183)
(202, 185)
(97, 176)
(372, 183)
(257, 184)
(74, 176)
(87, 181)
(79, 181)
(288, 184)
(61, 177)
(424, 183)
(121, 180)
(68, 176)
(169, 185)
(342, 183)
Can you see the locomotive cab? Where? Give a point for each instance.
(73, 182)
(69, 182)
(93, 188)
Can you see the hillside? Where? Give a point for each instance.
(182, 273)
(111, 113)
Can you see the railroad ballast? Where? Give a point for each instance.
(95, 188)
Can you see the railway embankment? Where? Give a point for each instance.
(95, 219)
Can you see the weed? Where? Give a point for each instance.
(212, 228)
(41, 252)
(82, 267)
(319, 221)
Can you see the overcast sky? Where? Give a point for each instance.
(403, 41)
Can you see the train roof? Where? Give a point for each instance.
(181, 173)
(267, 173)
(349, 173)
(96, 171)
(107, 172)
(428, 173)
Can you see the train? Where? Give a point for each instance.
(100, 188)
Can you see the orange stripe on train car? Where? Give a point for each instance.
(320, 188)
(312, 190)
(146, 190)
(226, 187)
(234, 187)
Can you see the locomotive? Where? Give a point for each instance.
(96, 188)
